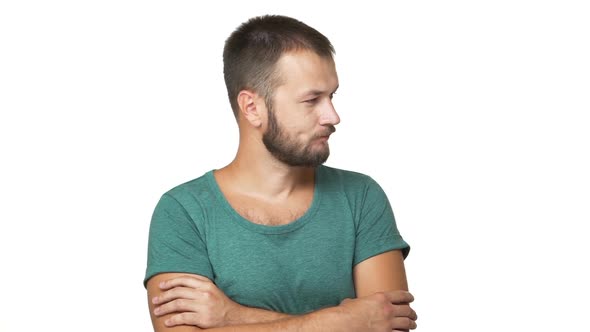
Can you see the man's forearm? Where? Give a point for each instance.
(329, 319)
(248, 315)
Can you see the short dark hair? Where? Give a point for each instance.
(253, 49)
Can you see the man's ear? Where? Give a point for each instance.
(250, 107)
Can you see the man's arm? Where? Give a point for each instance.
(378, 312)
(380, 273)
(201, 301)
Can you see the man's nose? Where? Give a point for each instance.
(329, 115)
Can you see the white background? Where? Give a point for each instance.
(471, 115)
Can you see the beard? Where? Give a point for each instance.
(288, 150)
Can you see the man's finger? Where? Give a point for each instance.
(399, 296)
(186, 281)
(185, 318)
(403, 323)
(404, 310)
(176, 293)
(179, 305)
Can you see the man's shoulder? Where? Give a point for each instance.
(191, 189)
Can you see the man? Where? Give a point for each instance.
(275, 240)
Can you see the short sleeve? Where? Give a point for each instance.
(376, 230)
(175, 243)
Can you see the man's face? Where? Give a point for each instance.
(301, 116)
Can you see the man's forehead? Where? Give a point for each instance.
(308, 72)
(304, 60)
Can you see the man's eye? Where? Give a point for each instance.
(312, 101)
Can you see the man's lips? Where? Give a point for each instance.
(327, 134)
(324, 137)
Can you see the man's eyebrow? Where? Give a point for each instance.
(317, 92)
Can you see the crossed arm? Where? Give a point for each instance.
(188, 303)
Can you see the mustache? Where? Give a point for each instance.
(329, 131)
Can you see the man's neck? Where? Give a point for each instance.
(265, 179)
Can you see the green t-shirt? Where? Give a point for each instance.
(295, 268)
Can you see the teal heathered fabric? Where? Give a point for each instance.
(294, 268)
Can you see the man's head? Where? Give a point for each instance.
(252, 51)
(289, 67)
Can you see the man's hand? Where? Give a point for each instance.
(197, 300)
(384, 311)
